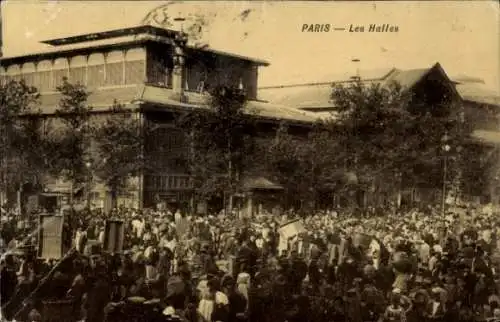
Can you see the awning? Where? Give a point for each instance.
(344, 177)
(61, 189)
(51, 194)
(350, 178)
(260, 183)
(487, 136)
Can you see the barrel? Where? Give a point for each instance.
(134, 309)
(59, 311)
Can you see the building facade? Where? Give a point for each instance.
(480, 109)
(147, 71)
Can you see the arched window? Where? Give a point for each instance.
(60, 70)
(114, 68)
(43, 76)
(195, 74)
(3, 76)
(14, 72)
(250, 81)
(29, 71)
(159, 67)
(78, 70)
(135, 66)
(96, 70)
(234, 74)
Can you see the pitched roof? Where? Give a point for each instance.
(467, 79)
(407, 78)
(316, 96)
(53, 52)
(132, 95)
(109, 34)
(100, 99)
(161, 96)
(487, 136)
(118, 37)
(377, 74)
(478, 92)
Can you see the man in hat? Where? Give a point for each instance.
(8, 281)
(395, 312)
(436, 309)
(237, 301)
(246, 258)
(297, 272)
(99, 295)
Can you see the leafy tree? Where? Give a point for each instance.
(481, 172)
(393, 136)
(306, 166)
(284, 164)
(220, 138)
(119, 145)
(24, 150)
(72, 133)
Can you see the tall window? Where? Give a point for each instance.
(95, 70)
(29, 74)
(196, 73)
(234, 74)
(229, 72)
(135, 65)
(14, 72)
(3, 75)
(114, 68)
(60, 70)
(250, 81)
(160, 69)
(78, 70)
(43, 76)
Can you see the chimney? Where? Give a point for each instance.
(179, 60)
(178, 75)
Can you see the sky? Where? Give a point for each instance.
(462, 36)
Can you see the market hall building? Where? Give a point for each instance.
(430, 85)
(146, 70)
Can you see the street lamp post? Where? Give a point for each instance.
(358, 76)
(89, 182)
(446, 148)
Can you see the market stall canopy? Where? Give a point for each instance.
(260, 183)
(60, 188)
(344, 177)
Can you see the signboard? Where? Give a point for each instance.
(59, 310)
(201, 207)
(114, 235)
(93, 247)
(227, 266)
(291, 229)
(32, 204)
(181, 227)
(50, 236)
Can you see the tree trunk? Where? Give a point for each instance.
(71, 193)
(114, 198)
(19, 200)
(230, 177)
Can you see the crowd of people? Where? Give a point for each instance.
(417, 265)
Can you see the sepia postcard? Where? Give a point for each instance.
(249, 161)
